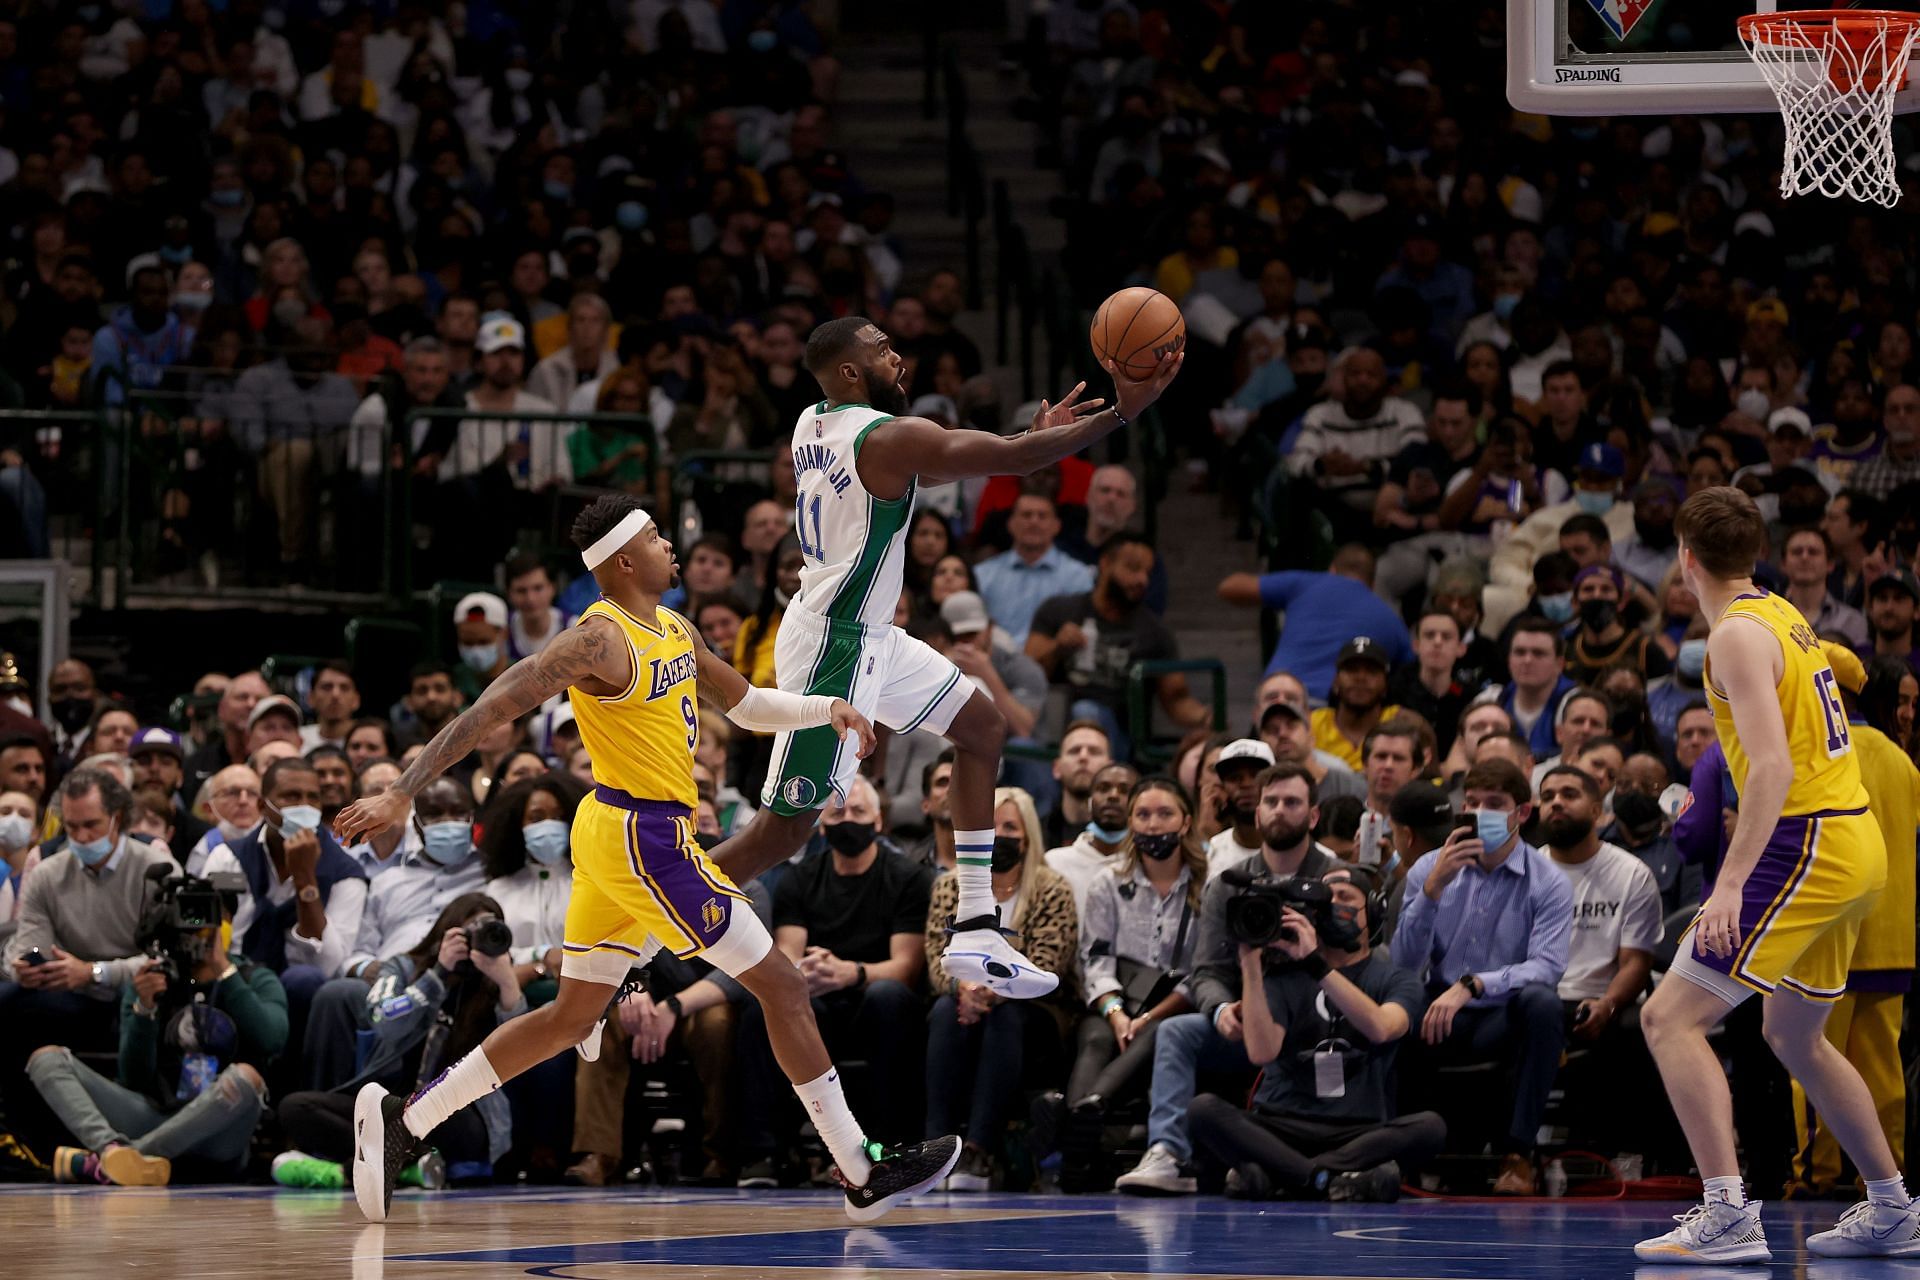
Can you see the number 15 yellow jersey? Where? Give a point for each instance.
(1826, 774)
(642, 739)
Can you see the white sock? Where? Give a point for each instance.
(973, 865)
(467, 1080)
(1891, 1191)
(827, 1106)
(1729, 1190)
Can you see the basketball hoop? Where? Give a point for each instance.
(1835, 72)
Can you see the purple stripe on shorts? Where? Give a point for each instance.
(701, 909)
(1782, 865)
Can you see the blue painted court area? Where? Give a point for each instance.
(1536, 1240)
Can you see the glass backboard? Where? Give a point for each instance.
(1640, 57)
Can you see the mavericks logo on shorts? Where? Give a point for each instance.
(799, 792)
(711, 917)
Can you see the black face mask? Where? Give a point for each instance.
(1637, 814)
(1159, 846)
(73, 713)
(1657, 536)
(1342, 928)
(849, 838)
(1625, 722)
(1598, 615)
(1007, 852)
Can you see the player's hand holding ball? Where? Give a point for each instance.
(1140, 338)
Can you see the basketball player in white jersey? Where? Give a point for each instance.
(857, 464)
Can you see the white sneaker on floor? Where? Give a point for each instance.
(1710, 1233)
(1158, 1173)
(1870, 1230)
(979, 952)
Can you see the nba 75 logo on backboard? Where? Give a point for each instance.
(1621, 15)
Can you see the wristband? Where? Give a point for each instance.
(859, 976)
(673, 1002)
(1474, 986)
(1111, 1003)
(1119, 417)
(1315, 966)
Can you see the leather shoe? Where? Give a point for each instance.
(594, 1170)
(1516, 1177)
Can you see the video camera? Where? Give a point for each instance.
(174, 928)
(1253, 910)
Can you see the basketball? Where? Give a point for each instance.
(1134, 328)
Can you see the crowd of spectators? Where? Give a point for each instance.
(1459, 372)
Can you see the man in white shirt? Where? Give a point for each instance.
(1616, 926)
(335, 698)
(533, 453)
(1094, 849)
(587, 357)
(302, 907)
(1237, 766)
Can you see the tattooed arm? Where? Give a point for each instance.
(589, 656)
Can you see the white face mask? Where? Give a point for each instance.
(16, 832)
(1754, 403)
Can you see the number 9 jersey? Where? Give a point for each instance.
(642, 739)
(1826, 776)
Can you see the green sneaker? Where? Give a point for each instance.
(429, 1173)
(298, 1169)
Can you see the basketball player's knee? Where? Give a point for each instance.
(980, 729)
(1792, 1041)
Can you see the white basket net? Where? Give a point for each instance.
(1835, 73)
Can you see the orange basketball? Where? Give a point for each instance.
(1134, 328)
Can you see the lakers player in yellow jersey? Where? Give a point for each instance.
(1800, 874)
(640, 881)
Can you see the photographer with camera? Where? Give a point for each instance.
(1486, 919)
(77, 944)
(426, 1009)
(1324, 1015)
(198, 1026)
(1210, 1038)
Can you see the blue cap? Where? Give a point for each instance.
(1603, 458)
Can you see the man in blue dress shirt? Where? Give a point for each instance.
(1487, 918)
(1014, 582)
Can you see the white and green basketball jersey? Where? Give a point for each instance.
(854, 544)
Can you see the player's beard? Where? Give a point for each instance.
(885, 396)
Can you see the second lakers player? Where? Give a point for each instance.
(640, 881)
(1800, 873)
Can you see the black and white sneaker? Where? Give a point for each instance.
(1378, 1185)
(382, 1147)
(901, 1173)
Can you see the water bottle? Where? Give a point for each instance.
(1556, 1179)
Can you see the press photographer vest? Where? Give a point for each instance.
(265, 941)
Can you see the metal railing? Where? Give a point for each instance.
(1143, 679)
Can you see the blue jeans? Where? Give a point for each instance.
(975, 1072)
(1185, 1046)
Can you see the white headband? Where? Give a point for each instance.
(615, 538)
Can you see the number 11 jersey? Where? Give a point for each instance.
(853, 543)
(1826, 775)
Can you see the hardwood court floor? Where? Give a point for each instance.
(564, 1234)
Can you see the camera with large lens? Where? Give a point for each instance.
(489, 937)
(1254, 909)
(175, 927)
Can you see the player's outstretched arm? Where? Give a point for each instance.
(588, 652)
(904, 448)
(771, 710)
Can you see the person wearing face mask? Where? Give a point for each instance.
(19, 848)
(1670, 695)
(1597, 475)
(854, 920)
(1210, 1038)
(1649, 552)
(1491, 983)
(1601, 640)
(480, 630)
(301, 913)
(1325, 1014)
(1105, 835)
(1137, 937)
(72, 697)
(77, 945)
(974, 1033)
(525, 848)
